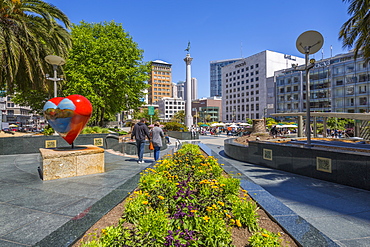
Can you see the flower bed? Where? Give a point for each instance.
(186, 201)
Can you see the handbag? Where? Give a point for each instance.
(151, 146)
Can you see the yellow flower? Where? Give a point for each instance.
(228, 215)
(244, 191)
(161, 197)
(193, 211)
(221, 203)
(265, 235)
(214, 187)
(232, 222)
(145, 202)
(206, 218)
(238, 223)
(104, 231)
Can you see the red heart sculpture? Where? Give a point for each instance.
(68, 116)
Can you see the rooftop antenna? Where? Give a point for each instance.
(322, 54)
(241, 49)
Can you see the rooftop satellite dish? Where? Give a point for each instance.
(309, 42)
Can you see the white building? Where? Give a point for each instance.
(194, 88)
(248, 85)
(168, 107)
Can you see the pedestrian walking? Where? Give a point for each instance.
(157, 135)
(140, 132)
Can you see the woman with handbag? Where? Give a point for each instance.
(157, 135)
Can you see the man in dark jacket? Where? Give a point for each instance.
(140, 131)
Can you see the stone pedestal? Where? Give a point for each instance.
(66, 162)
(259, 126)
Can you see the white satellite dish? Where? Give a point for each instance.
(309, 42)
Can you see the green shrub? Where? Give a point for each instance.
(174, 126)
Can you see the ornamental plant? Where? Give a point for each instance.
(186, 201)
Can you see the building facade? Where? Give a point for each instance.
(15, 114)
(194, 88)
(207, 110)
(337, 84)
(168, 107)
(248, 85)
(160, 81)
(180, 89)
(216, 76)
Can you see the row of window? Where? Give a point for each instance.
(239, 108)
(161, 85)
(242, 116)
(242, 76)
(242, 70)
(242, 94)
(175, 103)
(159, 93)
(242, 88)
(163, 81)
(242, 100)
(242, 82)
(160, 73)
(162, 77)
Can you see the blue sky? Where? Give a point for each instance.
(217, 29)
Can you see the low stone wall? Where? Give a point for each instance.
(338, 166)
(187, 135)
(31, 144)
(130, 147)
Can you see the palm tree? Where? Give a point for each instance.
(28, 32)
(355, 31)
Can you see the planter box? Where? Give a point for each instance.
(32, 144)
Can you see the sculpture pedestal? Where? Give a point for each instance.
(66, 162)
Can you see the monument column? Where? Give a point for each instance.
(188, 116)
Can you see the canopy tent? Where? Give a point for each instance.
(287, 126)
(233, 126)
(13, 126)
(217, 124)
(245, 124)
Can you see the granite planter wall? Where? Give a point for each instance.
(187, 135)
(338, 166)
(32, 143)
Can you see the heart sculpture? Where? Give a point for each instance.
(68, 116)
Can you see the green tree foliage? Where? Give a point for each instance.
(179, 117)
(355, 31)
(29, 31)
(143, 113)
(105, 65)
(339, 123)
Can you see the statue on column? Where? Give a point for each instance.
(188, 48)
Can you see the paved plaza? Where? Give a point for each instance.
(54, 213)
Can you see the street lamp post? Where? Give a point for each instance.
(55, 61)
(308, 43)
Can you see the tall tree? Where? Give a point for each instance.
(105, 65)
(28, 32)
(355, 31)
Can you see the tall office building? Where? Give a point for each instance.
(215, 75)
(160, 81)
(194, 88)
(181, 89)
(248, 85)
